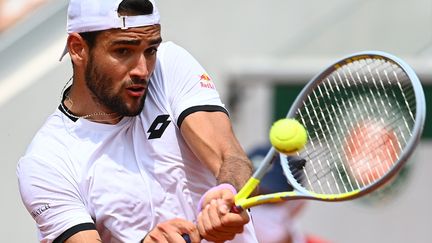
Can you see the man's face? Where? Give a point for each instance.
(119, 68)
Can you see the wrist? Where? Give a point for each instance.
(218, 187)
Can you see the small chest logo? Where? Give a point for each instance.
(158, 126)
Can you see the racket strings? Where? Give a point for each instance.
(327, 141)
(386, 111)
(397, 73)
(321, 172)
(405, 97)
(332, 111)
(322, 175)
(322, 153)
(373, 161)
(350, 104)
(370, 90)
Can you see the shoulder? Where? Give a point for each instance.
(50, 136)
(47, 148)
(169, 47)
(170, 51)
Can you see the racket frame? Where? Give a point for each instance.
(242, 200)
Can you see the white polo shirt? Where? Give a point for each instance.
(128, 177)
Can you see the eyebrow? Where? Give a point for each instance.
(136, 42)
(155, 41)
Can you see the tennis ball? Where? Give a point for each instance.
(288, 136)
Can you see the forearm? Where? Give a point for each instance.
(235, 170)
(217, 147)
(87, 236)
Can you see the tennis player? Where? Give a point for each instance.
(141, 148)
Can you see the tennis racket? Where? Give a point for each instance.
(364, 116)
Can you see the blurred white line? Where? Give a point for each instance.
(30, 71)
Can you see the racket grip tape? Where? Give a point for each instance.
(236, 209)
(186, 238)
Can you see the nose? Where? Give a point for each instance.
(141, 69)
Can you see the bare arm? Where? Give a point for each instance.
(86, 236)
(211, 138)
(168, 231)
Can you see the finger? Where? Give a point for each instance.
(206, 221)
(216, 194)
(172, 230)
(222, 206)
(214, 230)
(205, 226)
(178, 238)
(234, 223)
(195, 238)
(215, 212)
(200, 224)
(186, 228)
(228, 197)
(155, 237)
(216, 217)
(194, 235)
(224, 209)
(169, 232)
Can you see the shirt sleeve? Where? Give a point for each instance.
(51, 196)
(188, 85)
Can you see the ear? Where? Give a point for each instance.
(78, 49)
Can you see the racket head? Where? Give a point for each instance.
(368, 106)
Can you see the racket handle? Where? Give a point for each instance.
(186, 238)
(236, 209)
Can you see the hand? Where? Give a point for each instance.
(215, 221)
(171, 232)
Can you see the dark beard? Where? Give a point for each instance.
(99, 84)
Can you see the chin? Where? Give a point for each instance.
(129, 108)
(134, 111)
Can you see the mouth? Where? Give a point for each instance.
(136, 90)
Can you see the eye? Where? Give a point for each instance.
(151, 51)
(123, 51)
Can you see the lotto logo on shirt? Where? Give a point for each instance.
(206, 82)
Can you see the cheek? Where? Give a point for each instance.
(151, 63)
(115, 71)
(109, 65)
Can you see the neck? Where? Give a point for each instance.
(80, 110)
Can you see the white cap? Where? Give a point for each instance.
(95, 15)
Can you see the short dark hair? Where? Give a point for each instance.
(126, 7)
(135, 7)
(90, 37)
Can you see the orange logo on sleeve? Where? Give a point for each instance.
(204, 77)
(205, 81)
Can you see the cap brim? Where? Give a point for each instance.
(65, 51)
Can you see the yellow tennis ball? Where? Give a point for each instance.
(288, 136)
